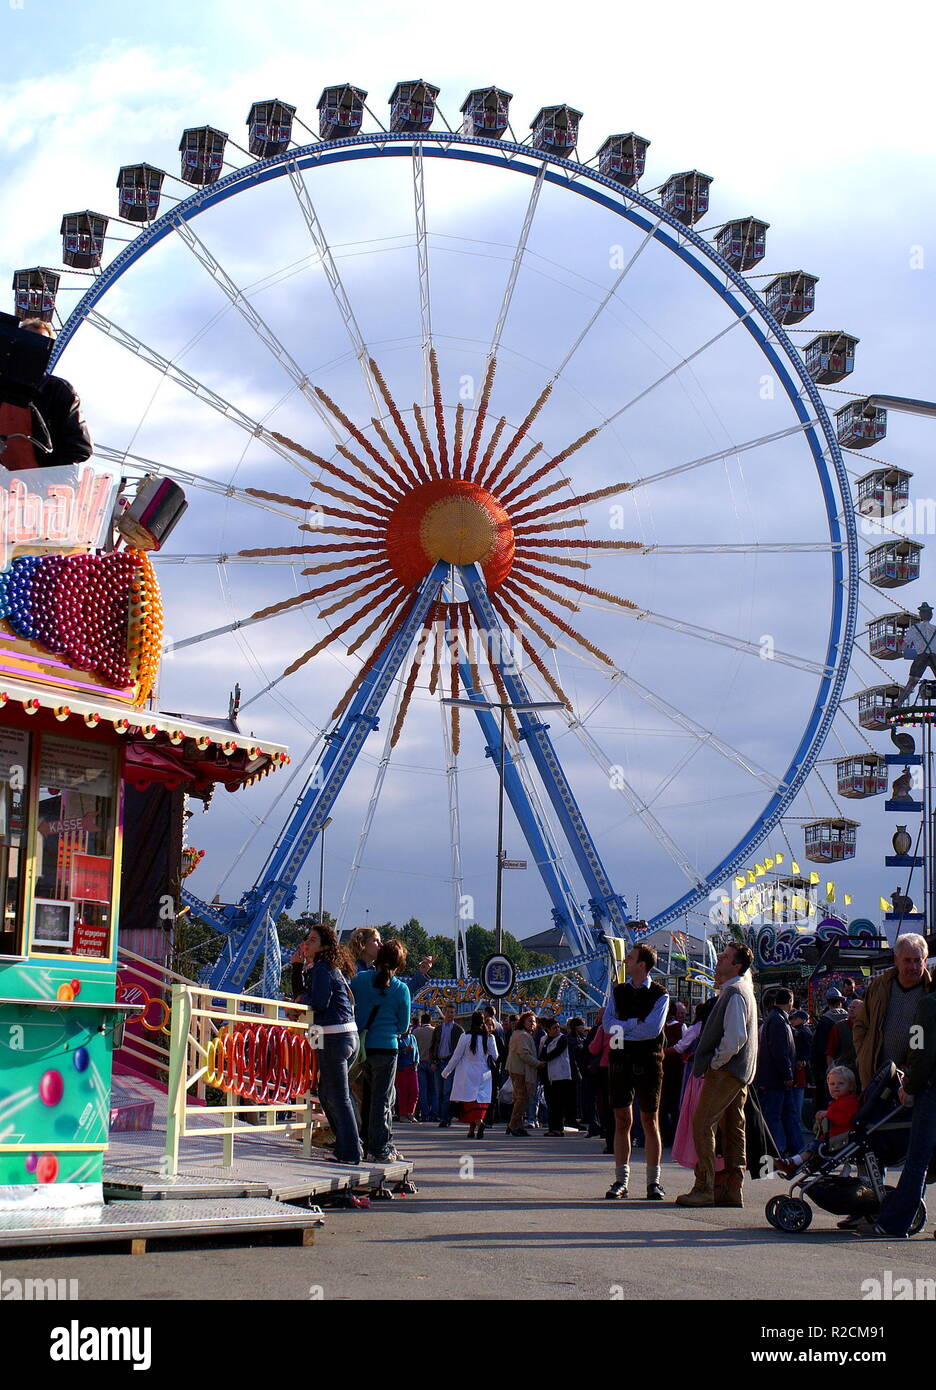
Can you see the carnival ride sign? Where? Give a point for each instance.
(57, 507)
(498, 976)
(472, 992)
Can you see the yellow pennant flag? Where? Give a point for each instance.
(847, 900)
(814, 877)
(777, 907)
(885, 905)
(759, 869)
(768, 863)
(778, 858)
(740, 881)
(830, 892)
(751, 875)
(794, 867)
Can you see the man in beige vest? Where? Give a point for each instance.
(727, 1058)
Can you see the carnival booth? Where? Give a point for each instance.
(80, 641)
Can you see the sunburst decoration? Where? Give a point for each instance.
(409, 503)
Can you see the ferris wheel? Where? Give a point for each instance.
(464, 415)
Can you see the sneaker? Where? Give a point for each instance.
(616, 1192)
(655, 1192)
(786, 1167)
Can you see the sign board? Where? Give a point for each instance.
(497, 976)
(515, 863)
(53, 922)
(92, 941)
(91, 878)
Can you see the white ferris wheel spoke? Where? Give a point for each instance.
(336, 285)
(379, 776)
(259, 325)
(183, 475)
(261, 824)
(451, 778)
(706, 634)
(197, 388)
(422, 262)
(710, 342)
(742, 548)
(516, 262)
(609, 296)
(161, 557)
(719, 455)
(683, 721)
(618, 782)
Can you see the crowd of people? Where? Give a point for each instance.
(728, 1092)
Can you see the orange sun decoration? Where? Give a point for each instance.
(411, 503)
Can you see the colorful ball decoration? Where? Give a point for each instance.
(32, 1162)
(102, 613)
(81, 1059)
(51, 1088)
(76, 987)
(47, 1168)
(65, 993)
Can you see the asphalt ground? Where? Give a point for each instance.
(513, 1219)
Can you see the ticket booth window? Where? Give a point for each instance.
(14, 802)
(74, 860)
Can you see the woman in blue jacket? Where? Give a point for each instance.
(382, 1011)
(329, 997)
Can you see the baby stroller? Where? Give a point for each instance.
(877, 1140)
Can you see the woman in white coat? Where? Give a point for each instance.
(474, 1056)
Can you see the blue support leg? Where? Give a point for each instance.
(609, 907)
(277, 887)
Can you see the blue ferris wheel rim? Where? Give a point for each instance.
(705, 261)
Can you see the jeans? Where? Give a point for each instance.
(336, 1052)
(378, 1073)
(428, 1092)
(897, 1213)
(780, 1109)
(445, 1084)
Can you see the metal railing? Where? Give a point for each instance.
(260, 1052)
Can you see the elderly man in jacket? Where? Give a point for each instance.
(726, 1056)
(881, 1029)
(919, 1091)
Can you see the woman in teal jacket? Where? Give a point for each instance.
(382, 1013)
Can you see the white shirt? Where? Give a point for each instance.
(921, 638)
(734, 1024)
(557, 1068)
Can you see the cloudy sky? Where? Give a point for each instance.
(806, 121)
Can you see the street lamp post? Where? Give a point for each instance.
(523, 707)
(321, 906)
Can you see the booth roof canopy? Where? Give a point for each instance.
(209, 750)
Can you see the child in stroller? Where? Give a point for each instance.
(877, 1138)
(832, 1125)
